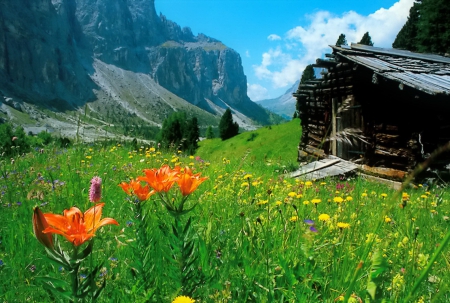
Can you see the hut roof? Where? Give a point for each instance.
(426, 72)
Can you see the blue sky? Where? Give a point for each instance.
(278, 38)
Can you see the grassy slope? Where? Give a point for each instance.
(272, 143)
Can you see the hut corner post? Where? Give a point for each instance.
(333, 126)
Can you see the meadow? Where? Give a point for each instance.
(247, 233)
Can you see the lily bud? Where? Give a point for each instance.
(39, 224)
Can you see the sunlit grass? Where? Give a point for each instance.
(261, 237)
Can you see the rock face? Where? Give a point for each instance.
(38, 53)
(47, 50)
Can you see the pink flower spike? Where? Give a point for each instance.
(95, 192)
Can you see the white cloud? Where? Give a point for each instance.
(273, 37)
(247, 53)
(303, 45)
(256, 92)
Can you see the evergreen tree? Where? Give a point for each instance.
(366, 40)
(295, 116)
(427, 28)
(192, 135)
(308, 74)
(407, 36)
(227, 127)
(434, 27)
(209, 133)
(171, 133)
(341, 40)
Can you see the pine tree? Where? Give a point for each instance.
(407, 36)
(341, 40)
(172, 130)
(308, 74)
(434, 27)
(227, 127)
(192, 135)
(209, 133)
(366, 40)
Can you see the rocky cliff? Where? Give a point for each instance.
(50, 51)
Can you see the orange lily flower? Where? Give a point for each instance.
(141, 192)
(188, 181)
(161, 179)
(39, 225)
(75, 226)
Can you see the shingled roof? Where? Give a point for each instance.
(425, 72)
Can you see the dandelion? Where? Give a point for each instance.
(293, 219)
(338, 199)
(316, 201)
(348, 198)
(324, 217)
(247, 176)
(383, 195)
(387, 219)
(424, 196)
(308, 183)
(306, 202)
(364, 195)
(343, 225)
(262, 202)
(278, 203)
(292, 194)
(183, 299)
(95, 191)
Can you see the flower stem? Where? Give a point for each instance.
(74, 274)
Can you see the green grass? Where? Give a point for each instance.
(250, 236)
(276, 144)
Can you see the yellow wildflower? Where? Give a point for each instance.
(343, 225)
(324, 217)
(183, 299)
(293, 219)
(338, 199)
(316, 201)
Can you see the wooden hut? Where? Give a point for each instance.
(384, 109)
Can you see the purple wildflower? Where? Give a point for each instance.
(95, 192)
(309, 222)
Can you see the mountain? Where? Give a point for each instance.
(284, 105)
(113, 62)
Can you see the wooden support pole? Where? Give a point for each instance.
(333, 125)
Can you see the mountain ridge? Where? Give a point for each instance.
(283, 105)
(49, 52)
